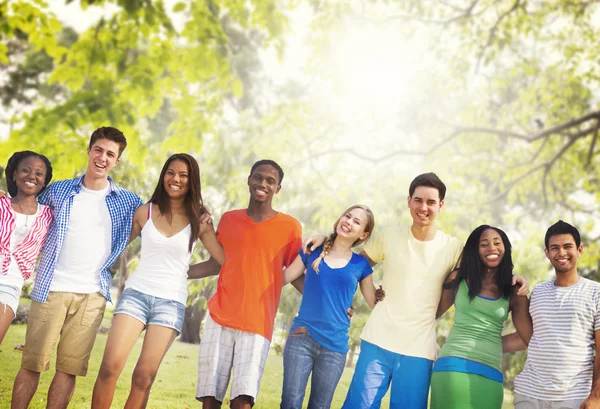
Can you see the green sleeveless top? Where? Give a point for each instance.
(477, 331)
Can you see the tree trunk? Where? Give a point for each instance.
(350, 357)
(190, 332)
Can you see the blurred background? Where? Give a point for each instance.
(354, 98)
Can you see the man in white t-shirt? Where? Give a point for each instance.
(561, 370)
(91, 227)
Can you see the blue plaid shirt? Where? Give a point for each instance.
(59, 196)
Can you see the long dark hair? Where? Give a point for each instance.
(193, 198)
(13, 164)
(471, 267)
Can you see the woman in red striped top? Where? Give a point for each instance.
(24, 227)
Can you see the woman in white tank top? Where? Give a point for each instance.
(155, 295)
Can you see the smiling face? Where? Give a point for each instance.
(424, 205)
(30, 175)
(563, 253)
(176, 180)
(103, 155)
(352, 225)
(491, 248)
(263, 183)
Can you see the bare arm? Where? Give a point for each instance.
(294, 271)
(208, 237)
(367, 288)
(208, 268)
(140, 217)
(299, 283)
(513, 343)
(448, 295)
(519, 305)
(593, 401)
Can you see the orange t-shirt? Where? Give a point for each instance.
(250, 281)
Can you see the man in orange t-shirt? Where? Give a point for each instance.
(258, 242)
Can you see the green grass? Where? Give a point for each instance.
(175, 385)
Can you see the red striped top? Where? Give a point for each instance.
(27, 251)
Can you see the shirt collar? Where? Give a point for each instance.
(113, 189)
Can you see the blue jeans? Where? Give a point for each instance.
(302, 355)
(377, 368)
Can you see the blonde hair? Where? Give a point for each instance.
(329, 241)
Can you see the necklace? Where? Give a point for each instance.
(27, 214)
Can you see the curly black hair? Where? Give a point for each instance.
(13, 163)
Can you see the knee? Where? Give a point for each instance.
(109, 370)
(143, 379)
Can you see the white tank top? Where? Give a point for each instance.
(164, 263)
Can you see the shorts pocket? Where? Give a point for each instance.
(94, 310)
(39, 311)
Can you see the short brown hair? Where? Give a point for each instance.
(430, 180)
(110, 133)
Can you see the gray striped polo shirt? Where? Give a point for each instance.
(560, 359)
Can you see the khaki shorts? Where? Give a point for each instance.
(75, 319)
(525, 402)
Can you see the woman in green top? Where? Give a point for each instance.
(467, 374)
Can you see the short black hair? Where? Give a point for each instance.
(268, 162)
(561, 227)
(430, 180)
(12, 165)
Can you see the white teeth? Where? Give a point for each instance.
(30, 184)
(492, 257)
(175, 187)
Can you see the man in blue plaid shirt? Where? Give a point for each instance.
(91, 227)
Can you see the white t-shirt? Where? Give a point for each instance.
(86, 246)
(414, 272)
(23, 225)
(560, 357)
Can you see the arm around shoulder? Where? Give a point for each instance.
(210, 267)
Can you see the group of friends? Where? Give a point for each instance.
(81, 226)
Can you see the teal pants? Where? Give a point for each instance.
(457, 390)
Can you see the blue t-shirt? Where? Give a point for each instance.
(326, 297)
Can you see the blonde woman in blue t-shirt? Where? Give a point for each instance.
(318, 339)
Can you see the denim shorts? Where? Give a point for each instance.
(9, 296)
(151, 310)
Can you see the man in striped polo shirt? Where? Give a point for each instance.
(561, 371)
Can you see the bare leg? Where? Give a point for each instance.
(157, 341)
(6, 317)
(26, 384)
(123, 335)
(61, 390)
(210, 402)
(242, 402)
